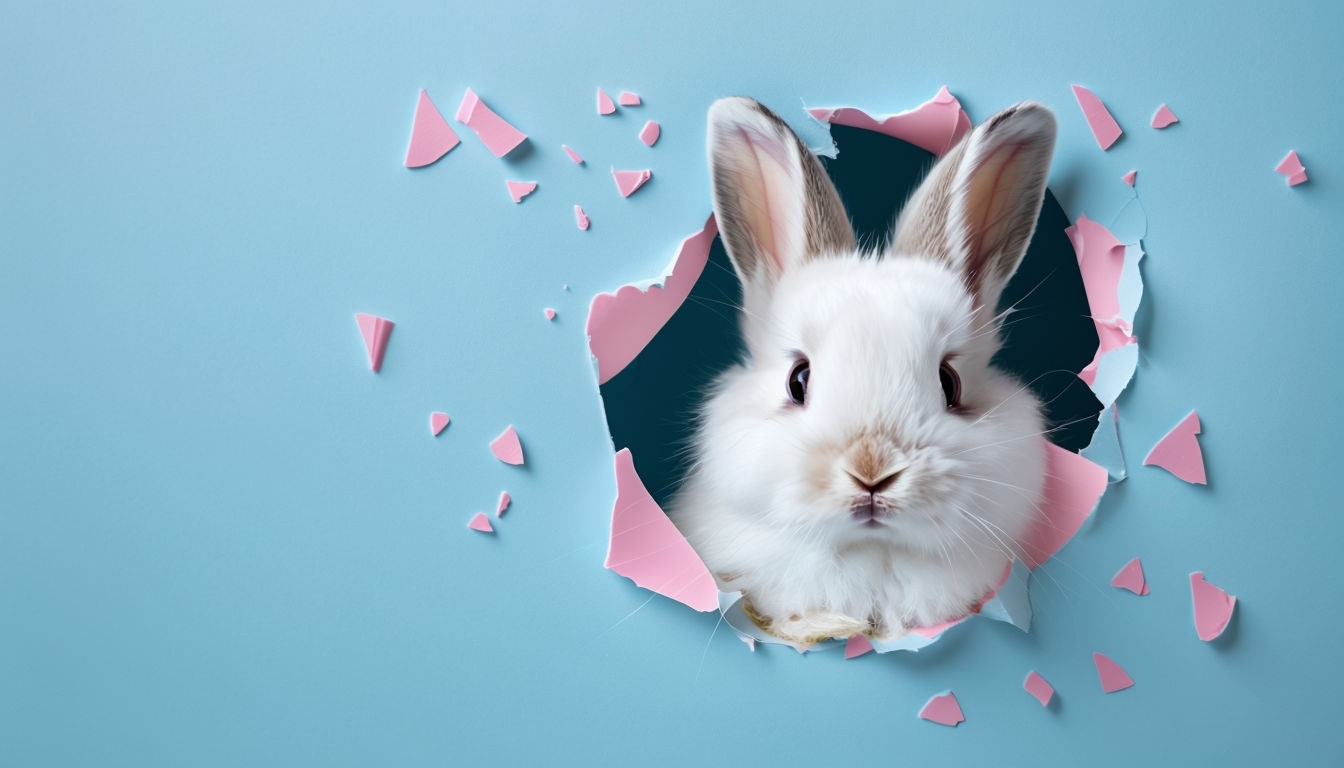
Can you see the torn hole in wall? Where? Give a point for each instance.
(658, 345)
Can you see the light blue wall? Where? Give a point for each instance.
(224, 541)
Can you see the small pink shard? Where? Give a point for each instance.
(1129, 177)
(943, 709)
(1213, 607)
(1113, 678)
(1164, 117)
(1038, 687)
(1291, 166)
(550, 313)
(1131, 577)
(572, 154)
(857, 645)
(504, 501)
(1104, 128)
(647, 548)
(629, 99)
(604, 104)
(499, 137)
(375, 331)
(507, 448)
(481, 523)
(629, 181)
(438, 421)
(581, 218)
(520, 189)
(649, 133)
(431, 136)
(1179, 453)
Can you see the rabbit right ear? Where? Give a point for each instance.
(775, 205)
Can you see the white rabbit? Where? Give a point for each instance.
(865, 470)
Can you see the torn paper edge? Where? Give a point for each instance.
(1212, 605)
(934, 126)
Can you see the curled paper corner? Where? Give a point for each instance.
(1213, 607)
(495, 132)
(1105, 448)
(572, 154)
(504, 501)
(629, 99)
(943, 709)
(857, 646)
(1291, 167)
(647, 548)
(431, 136)
(479, 522)
(581, 219)
(605, 106)
(1111, 676)
(1039, 688)
(507, 448)
(1130, 577)
(629, 182)
(934, 126)
(1179, 453)
(1099, 119)
(520, 189)
(438, 421)
(650, 132)
(1164, 117)
(375, 331)
(622, 323)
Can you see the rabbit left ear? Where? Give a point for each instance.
(978, 207)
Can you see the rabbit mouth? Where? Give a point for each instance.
(869, 511)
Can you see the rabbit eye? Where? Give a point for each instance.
(798, 376)
(951, 385)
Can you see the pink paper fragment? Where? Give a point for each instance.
(438, 421)
(1104, 128)
(604, 104)
(943, 709)
(620, 324)
(572, 154)
(1179, 453)
(1164, 117)
(520, 189)
(1129, 177)
(629, 181)
(647, 548)
(375, 331)
(581, 218)
(1131, 577)
(550, 313)
(1073, 485)
(499, 137)
(1291, 166)
(1038, 687)
(481, 523)
(431, 136)
(507, 448)
(649, 133)
(1113, 678)
(1101, 260)
(857, 645)
(935, 126)
(1213, 607)
(629, 99)
(504, 501)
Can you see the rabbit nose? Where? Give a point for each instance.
(875, 486)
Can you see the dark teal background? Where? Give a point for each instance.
(223, 541)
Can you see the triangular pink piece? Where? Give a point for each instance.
(1179, 452)
(649, 133)
(604, 103)
(857, 645)
(504, 501)
(943, 709)
(481, 523)
(1213, 607)
(629, 99)
(1297, 178)
(1104, 128)
(1129, 177)
(431, 136)
(520, 189)
(1131, 577)
(572, 154)
(507, 448)
(581, 218)
(1038, 687)
(1291, 166)
(647, 548)
(375, 331)
(438, 421)
(550, 313)
(1164, 117)
(1113, 678)
(499, 137)
(629, 181)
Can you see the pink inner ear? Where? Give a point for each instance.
(770, 211)
(989, 209)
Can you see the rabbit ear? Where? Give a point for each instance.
(978, 207)
(774, 203)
